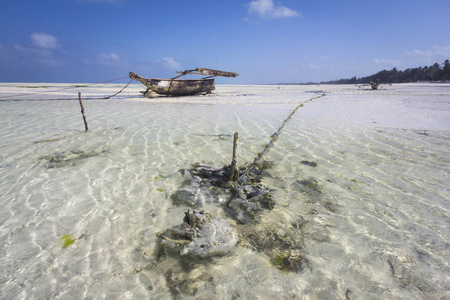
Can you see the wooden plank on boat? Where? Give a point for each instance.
(210, 72)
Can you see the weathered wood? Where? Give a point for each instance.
(234, 173)
(176, 87)
(210, 72)
(82, 112)
(374, 85)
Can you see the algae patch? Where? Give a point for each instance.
(69, 158)
(66, 241)
(309, 185)
(309, 163)
(285, 249)
(34, 87)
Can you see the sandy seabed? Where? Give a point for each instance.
(378, 228)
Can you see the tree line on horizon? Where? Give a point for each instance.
(435, 72)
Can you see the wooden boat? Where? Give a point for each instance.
(374, 85)
(182, 87)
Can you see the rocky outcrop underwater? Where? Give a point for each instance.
(244, 201)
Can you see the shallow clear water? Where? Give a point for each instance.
(378, 229)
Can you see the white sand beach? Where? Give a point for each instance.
(376, 224)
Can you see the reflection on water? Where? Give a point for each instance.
(360, 183)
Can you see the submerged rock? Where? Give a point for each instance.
(69, 158)
(186, 284)
(198, 188)
(244, 199)
(299, 222)
(248, 202)
(201, 235)
(285, 250)
(403, 270)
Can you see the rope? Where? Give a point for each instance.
(277, 133)
(203, 83)
(119, 91)
(170, 86)
(63, 89)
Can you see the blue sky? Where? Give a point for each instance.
(265, 41)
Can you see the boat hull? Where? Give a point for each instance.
(177, 87)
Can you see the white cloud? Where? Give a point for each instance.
(107, 59)
(41, 50)
(44, 41)
(314, 66)
(267, 9)
(429, 56)
(383, 61)
(170, 62)
(46, 51)
(41, 56)
(418, 52)
(442, 51)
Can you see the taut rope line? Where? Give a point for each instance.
(120, 90)
(68, 88)
(277, 133)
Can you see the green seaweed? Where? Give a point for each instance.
(67, 240)
(157, 177)
(278, 262)
(308, 185)
(160, 190)
(312, 185)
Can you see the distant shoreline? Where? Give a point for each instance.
(327, 83)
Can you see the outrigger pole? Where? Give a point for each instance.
(210, 72)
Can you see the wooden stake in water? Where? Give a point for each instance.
(234, 174)
(82, 112)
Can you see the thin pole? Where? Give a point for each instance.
(82, 112)
(234, 174)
